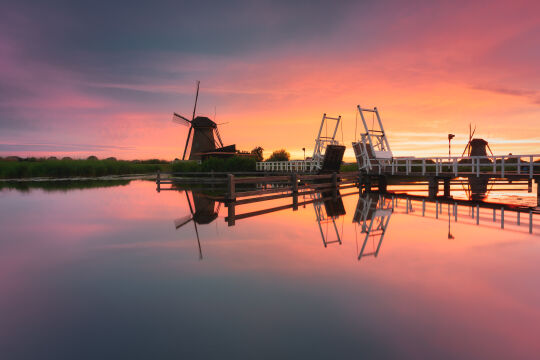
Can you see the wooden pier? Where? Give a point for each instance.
(244, 185)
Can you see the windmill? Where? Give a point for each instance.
(203, 212)
(206, 138)
(476, 147)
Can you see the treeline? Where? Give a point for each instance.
(11, 168)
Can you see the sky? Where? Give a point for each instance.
(80, 78)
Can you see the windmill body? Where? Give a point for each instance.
(206, 138)
(203, 137)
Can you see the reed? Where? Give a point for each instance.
(75, 168)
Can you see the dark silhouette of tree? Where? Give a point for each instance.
(258, 153)
(279, 155)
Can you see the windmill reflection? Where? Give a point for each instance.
(372, 213)
(202, 212)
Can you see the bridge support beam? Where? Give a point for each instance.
(446, 187)
(433, 187)
(383, 182)
(537, 191)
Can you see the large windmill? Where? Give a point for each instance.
(204, 143)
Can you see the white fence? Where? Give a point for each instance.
(498, 165)
(289, 166)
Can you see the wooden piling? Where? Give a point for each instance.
(231, 214)
(231, 188)
(447, 187)
(433, 187)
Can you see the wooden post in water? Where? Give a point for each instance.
(231, 188)
(294, 181)
(447, 187)
(502, 218)
(530, 221)
(382, 183)
(158, 180)
(537, 191)
(231, 214)
(433, 187)
(334, 186)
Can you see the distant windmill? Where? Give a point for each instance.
(203, 213)
(204, 143)
(476, 147)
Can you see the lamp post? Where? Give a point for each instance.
(304, 153)
(450, 137)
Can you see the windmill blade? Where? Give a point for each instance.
(467, 147)
(187, 142)
(490, 150)
(189, 203)
(198, 240)
(179, 119)
(178, 223)
(196, 98)
(224, 123)
(218, 136)
(472, 134)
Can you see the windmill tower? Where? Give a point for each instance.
(206, 138)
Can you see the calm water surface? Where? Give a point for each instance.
(103, 273)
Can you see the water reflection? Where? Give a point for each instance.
(103, 272)
(61, 185)
(371, 217)
(333, 210)
(203, 211)
(372, 213)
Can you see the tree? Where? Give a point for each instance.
(258, 153)
(279, 155)
(92, 157)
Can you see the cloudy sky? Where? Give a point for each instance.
(100, 77)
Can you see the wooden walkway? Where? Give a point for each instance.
(244, 185)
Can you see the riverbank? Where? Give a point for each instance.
(66, 168)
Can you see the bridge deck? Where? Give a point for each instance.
(504, 166)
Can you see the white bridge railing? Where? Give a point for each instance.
(289, 166)
(498, 165)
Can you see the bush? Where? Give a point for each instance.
(279, 155)
(231, 164)
(186, 166)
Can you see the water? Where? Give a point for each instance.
(102, 273)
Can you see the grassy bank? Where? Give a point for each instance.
(27, 168)
(92, 167)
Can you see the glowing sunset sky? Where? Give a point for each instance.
(103, 78)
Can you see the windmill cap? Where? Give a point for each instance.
(203, 122)
(478, 142)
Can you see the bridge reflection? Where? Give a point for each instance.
(371, 216)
